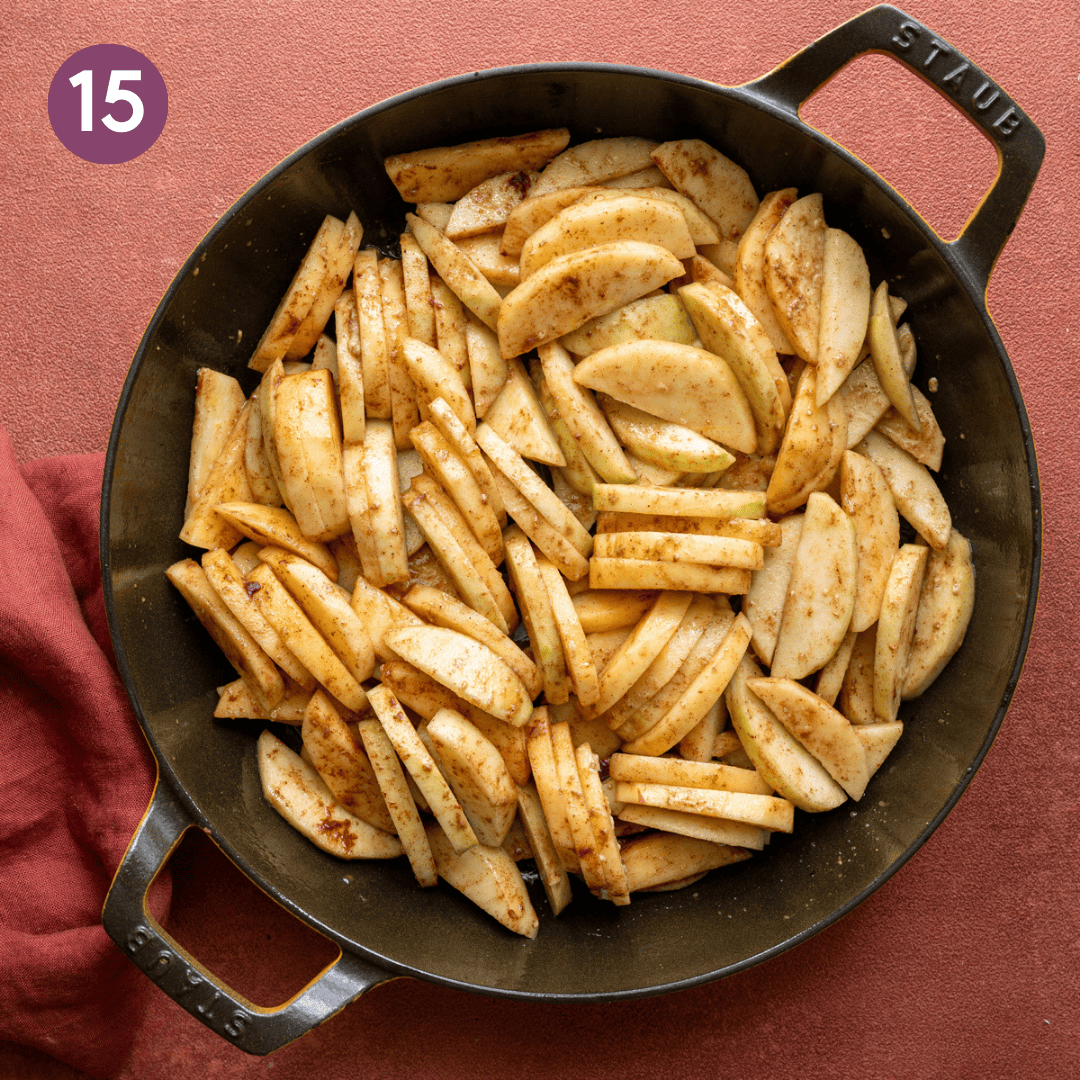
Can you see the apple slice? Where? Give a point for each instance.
(728, 327)
(765, 811)
(423, 769)
(350, 368)
(489, 877)
(486, 367)
(856, 698)
(896, 627)
(610, 609)
(447, 173)
(447, 534)
(548, 786)
(295, 305)
(456, 269)
(783, 762)
(579, 662)
(584, 420)
(514, 467)
(464, 443)
(477, 773)
(821, 729)
(227, 580)
(590, 222)
(466, 666)
(576, 287)
(793, 259)
(424, 696)
(338, 264)
(384, 509)
(864, 402)
(878, 741)
(593, 162)
(701, 826)
(643, 500)
(218, 401)
(327, 605)
(806, 450)
(419, 302)
(436, 377)
(657, 860)
(525, 218)
(821, 592)
(760, 530)
(887, 359)
(308, 411)
(713, 182)
(250, 660)
(749, 272)
(946, 603)
(404, 407)
(918, 498)
(659, 317)
(547, 538)
(616, 887)
(236, 702)
(287, 617)
(399, 800)
(227, 481)
(716, 551)
(681, 773)
(866, 498)
(845, 311)
(640, 648)
(485, 208)
(297, 792)
(680, 383)
(577, 813)
(927, 445)
(764, 601)
(577, 474)
(663, 443)
(537, 614)
(622, 573)
(458, 481)
(380, 613)
(702, 229)
(695, 641)
(340, 760)
(517, 416)
(553, 874)
(452, 321)
(830, 678)
(698, 697)
(441, 609)
(505, 617)
(374, 350)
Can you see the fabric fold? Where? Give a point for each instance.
(76, 776)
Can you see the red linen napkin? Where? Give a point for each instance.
(76, 775)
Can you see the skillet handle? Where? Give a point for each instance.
(1019, 143)
(127, 920)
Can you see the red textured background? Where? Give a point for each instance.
(964, 964)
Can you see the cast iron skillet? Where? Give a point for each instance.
(214, 312)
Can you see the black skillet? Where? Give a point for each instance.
(386, 926)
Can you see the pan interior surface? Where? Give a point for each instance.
(213, 315)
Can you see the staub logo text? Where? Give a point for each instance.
(958, 78)
(187, 986)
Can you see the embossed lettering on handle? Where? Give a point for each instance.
(181, 981)
(956, 77)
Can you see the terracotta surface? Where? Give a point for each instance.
(964, 964)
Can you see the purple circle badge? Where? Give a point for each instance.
(108, 104)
